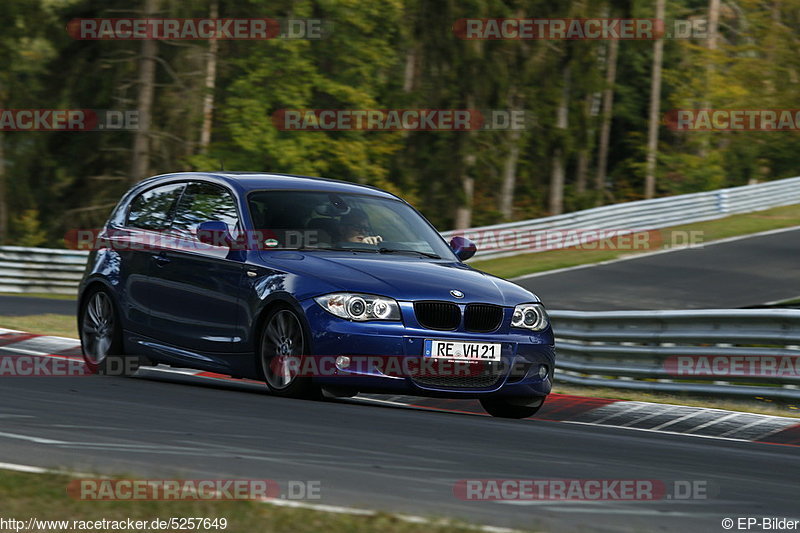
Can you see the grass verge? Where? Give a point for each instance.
(44, 497)
(762, 406)
(49, 324)
(745, 224)
(42, 295)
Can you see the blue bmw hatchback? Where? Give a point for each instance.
(317, 287)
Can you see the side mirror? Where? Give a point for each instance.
(463, 247)
(215, 233)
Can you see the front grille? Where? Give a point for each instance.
(437, 315)
(482, 317)
(485, 375)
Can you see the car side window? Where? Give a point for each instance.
(153, 208)
(203, 202)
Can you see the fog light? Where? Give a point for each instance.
(342, 362)
(542, 371)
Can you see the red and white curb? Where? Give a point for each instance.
(639, 416)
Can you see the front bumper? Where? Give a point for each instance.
(522, 353)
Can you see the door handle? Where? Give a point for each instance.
(161, 259)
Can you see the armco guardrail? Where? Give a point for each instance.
(514, 238)
(738, 352)
(58, 271)
(40, 270)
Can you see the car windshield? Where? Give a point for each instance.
(318, 220)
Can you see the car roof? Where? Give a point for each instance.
(244, 182)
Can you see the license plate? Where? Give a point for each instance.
(467, 351)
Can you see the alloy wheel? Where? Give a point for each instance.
(97, 329)
(282, 349)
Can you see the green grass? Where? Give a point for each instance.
(42, 295)
(745, 224)
(44, 497)
(793, 302)
(49, 324)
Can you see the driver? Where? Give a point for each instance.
(355, 228)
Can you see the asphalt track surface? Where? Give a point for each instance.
(392, 458)
(27, 305)
(382, 456)
(740, 273)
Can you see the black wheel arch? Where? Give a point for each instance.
(89, 287)
(273, 301)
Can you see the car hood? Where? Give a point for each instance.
(399, 277)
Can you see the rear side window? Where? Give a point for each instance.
(153, 209)
(204, 202)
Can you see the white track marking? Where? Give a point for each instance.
(712, 422)
(614, 412)
(675, 421)
(31, 438)
(651, 415)
(23, 468)
(713, 437)
(657, 252)
(365, 512)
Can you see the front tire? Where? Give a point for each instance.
(512, 407)
(101, 336)
(281, 354)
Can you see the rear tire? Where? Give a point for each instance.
(281, 353)
(511, 407)
(101, 336)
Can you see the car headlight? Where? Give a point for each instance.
(359, 307)
(530, 316)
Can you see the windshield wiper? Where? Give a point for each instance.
(399, 251)
(323, 248)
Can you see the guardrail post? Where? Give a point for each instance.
(722, 201)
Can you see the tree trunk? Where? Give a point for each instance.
(510, 175)
(556, 203)
(655, 108)
(582, 170)
(590, 110)
(211, 77)
(464, 211)
(3, 198)
(713, 25)
(140, 164)
(605, 126)
(410, 69)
